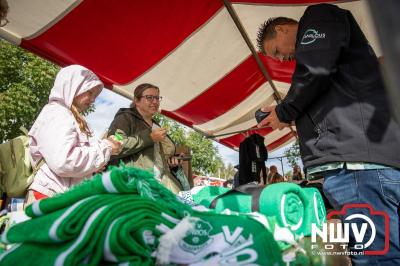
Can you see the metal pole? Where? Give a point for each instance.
(235, 132)
(246, 38)
(260, 64)
(281, 159)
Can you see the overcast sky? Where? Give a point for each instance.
(108, 103)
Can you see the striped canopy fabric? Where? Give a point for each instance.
(191, 49)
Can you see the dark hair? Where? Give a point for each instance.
(267, 31)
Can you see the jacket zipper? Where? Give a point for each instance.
(316, 128)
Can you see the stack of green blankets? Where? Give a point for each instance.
(292, 206)
(125, 216)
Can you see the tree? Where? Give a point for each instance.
(205, 157)
(25, 84)
(227, 171)
(293, 153)
(175, 130)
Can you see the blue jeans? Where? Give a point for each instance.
(379, 188)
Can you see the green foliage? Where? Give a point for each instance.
(226, 171)
(175, 130)
(25, 83)
(205, 157)
(293, 154)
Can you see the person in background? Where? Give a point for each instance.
(346, 128)
(3, 13)
(296, 175)
(274, 176)
(144, 143)
(59, 138)
(263, 180)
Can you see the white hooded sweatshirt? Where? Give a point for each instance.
(55, 136)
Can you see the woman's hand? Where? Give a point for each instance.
(158, 134)
(174, 162)
(115, 145)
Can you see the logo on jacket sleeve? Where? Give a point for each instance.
(311, 36)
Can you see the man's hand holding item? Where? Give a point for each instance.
(272, 119)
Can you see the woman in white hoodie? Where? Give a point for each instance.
(59, 138)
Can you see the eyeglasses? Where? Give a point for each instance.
(151, 98)
(3, 22)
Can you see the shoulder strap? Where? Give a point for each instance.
(36, 168)
(23, 130)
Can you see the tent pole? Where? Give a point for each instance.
(246, 38)
(236, 132)
(260, 64)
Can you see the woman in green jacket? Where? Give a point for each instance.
(144, 143)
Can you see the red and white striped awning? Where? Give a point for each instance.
(191, 49)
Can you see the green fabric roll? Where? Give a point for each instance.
(207, 194)
(316, 213)
(293, 206)
(287, 202)
(236, 201)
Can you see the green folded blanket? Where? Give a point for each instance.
(76, 240)
(122, 180)
(123, 217)
(129, 199)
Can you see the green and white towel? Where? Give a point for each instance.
(316, 212)
(126, 216)
(87, 231)
(218, 240)
(117, 181)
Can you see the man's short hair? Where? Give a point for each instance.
(267, 31)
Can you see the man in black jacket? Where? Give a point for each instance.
(343, 118)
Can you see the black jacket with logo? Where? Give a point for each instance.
(337, 97)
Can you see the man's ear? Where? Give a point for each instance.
(278, 28)
(281, 28)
